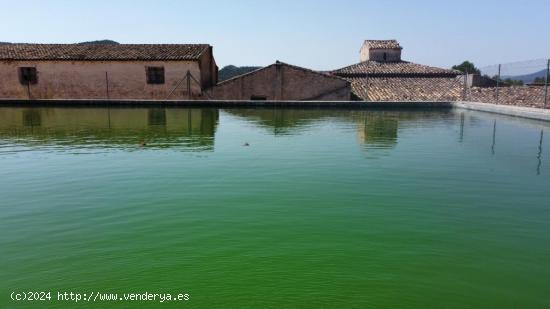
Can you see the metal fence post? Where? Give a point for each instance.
(464, 98)
(498, 81)
(546, 83)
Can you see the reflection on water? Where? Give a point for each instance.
(494, 137)
(189, 129)
(376, 202)
(378, 130)
(31, 118)
(374, 128)
(539, 154)
(516, 139)
(195, 129)
(157, 117)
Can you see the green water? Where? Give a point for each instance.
(323, 209)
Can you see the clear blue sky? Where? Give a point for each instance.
(317, 34)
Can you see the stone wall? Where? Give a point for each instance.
(391, 55)
(377, 54)
(209, 69)
(87, 79)
(529, 96)
(283, 82)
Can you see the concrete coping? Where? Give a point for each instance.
(226, 103)
(510, 110)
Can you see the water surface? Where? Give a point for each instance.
(324, 208)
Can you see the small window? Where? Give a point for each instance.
(385, 56)
(155, 75)
(28, 76)
(258, 98)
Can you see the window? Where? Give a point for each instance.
(258, 98)
(155, 75)
(385, 56)
(27, 75)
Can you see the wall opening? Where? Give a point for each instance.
(155, 75)
(28, 76)
(258, 98)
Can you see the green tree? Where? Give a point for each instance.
(513, 82)
(467, 67)
(540, 80)
(508, 81)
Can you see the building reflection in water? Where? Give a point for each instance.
(189, 129)
(32, 118)
(378, 130)
(157, 116)
(284, 121)
(375, 128)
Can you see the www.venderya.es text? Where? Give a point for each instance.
(76, 297)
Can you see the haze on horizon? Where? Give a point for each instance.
(318, 34)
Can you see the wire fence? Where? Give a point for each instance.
(523, 83)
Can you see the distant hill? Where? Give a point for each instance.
(100, 42)
(527, 78)
(4, 43)
(231, 71)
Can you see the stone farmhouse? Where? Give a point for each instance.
(112, 71)
(383, 76)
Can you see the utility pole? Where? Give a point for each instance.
(498, 81)
(546, 83)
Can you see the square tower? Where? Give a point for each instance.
(381, 50)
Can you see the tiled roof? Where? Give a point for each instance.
(407, 88)
(74, 52)
(397, 68)
(382, 44)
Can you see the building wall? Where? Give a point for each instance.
(209, 69)
(378, 54)
(87, 80)
(285, 83)
(476, 80)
